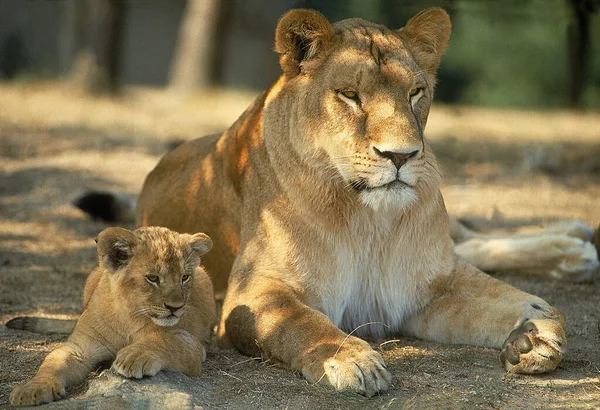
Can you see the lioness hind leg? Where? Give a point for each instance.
(470, 307)
(573, 228)
(269, 320)
(557, 256)
(559, 250)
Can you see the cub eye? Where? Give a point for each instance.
(154, 279)
(413, 92)
(185, 278)
(349, 94)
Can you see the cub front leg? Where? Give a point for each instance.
(65, 366)
(266, 318)
(176, 350)
(470, 307)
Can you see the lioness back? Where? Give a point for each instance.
(149, 306)
(199, 187)
(174, 196)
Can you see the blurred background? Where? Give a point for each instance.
(503, 53)
(94, 92)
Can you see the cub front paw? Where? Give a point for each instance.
(353, 366)
(136, 363)
(36, 392)
(537, 346)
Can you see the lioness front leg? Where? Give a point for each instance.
(470, 307)
(267, 318)
(175, 350)
(66, 366)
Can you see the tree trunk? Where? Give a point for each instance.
(96, 67)
(192, 60)
(578, 35)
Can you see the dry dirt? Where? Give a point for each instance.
(56, 143)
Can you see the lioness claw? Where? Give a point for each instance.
(355, 367)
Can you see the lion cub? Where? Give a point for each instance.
(149, 306)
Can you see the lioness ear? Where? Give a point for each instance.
(300, 35)
(426, 36)
(115, 248)
(201, 243)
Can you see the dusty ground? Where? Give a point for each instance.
(55, 144)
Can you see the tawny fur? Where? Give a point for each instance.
(324, 204)
(126, 316)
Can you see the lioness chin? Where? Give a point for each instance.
(149, 306)
(324, 204)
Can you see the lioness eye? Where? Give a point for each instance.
(350, 94)
(185, 278)
(153, 279)
(413, 92)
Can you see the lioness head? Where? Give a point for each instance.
(152, 269)
(354, 98)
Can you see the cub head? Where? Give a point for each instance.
(354, 99)
(152, 269)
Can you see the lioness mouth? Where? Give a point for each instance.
(361, 185)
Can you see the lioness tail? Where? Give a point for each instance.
(107, 206)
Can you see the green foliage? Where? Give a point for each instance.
(515, 54)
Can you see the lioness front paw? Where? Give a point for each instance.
(135, 363)
(356, 366)
(36, 392)
(537, 346)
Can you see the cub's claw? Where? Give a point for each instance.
(134, 363)
(36, 392)
(537, 346)
(356, 367)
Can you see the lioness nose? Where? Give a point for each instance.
(173, 309)
(398, 158)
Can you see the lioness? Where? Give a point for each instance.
(323, 201)
(149, 306)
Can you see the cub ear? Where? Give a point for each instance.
(201, 243)
(115, 248)
(299, 36)
(426, 36)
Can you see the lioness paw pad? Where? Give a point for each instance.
(37, 392)
(134, 363)
(537, 346)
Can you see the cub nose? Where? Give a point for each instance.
(173, 309)
(398, 158)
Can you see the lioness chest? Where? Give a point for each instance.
(374, 276)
